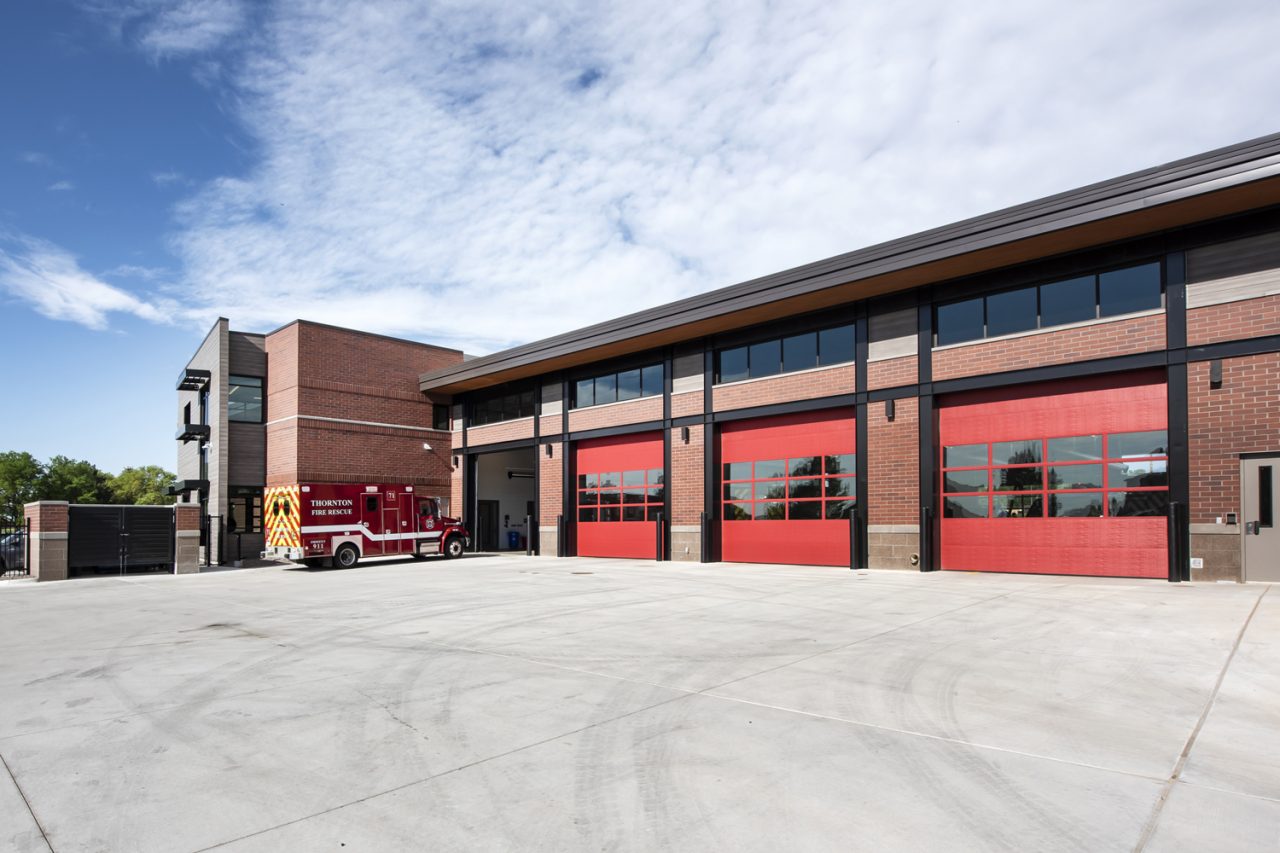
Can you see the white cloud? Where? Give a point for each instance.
(60, 187)
(173, 28)
(35, 158)
(53, 283)
(485, 173)
(169, 177)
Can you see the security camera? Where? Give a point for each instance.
(426, 446)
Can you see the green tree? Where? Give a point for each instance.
(20, 477)
(146, 485)
(76, 481)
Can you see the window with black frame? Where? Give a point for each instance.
(244, 399)
(244, 510)
(505, 406)
(618, 386)
(801, 351)
(1091, 297)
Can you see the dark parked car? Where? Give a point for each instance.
(13, 552)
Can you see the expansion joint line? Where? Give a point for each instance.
(26, 803)
(1149, 830)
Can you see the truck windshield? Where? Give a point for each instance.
(427, 507)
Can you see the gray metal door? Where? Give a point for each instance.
(1261, 481)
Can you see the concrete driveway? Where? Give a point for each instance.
(509, 703)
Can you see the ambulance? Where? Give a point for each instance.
(339, 524)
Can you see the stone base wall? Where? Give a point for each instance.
(1219, 547)
(892, 546)
(686, 543)
(49, 556)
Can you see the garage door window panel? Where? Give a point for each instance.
(964, 506)
(802, 488)
(965, 481)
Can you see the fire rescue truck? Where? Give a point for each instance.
(317, 523)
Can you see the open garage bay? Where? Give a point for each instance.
(513, 703)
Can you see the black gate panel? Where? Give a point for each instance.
(150, 532)
(119, 539)
(15, 549)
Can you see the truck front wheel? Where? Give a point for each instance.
(453, 547)
(346, 556)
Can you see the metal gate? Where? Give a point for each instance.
(15, 549)
(119, 539)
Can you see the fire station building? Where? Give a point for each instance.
(1084, 384)
(305, 403)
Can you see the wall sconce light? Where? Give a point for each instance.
(888, 409)
(684, 434)
(456, 460)
(550, 450)
(1215, 374)
(426, 446)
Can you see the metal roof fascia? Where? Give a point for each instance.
(1094, 203)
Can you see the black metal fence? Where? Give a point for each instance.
(15, 549)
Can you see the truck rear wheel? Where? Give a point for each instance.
(453, 547)
(346, 556)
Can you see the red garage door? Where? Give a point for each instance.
(620, 494)
(1062, 478)
(788, 488)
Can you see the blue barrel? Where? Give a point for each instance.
(513, 540)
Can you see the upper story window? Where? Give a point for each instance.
(1056, 303)
(502, 407)
(618, 386)
(440, 417)
(244, 399)
(822, 348)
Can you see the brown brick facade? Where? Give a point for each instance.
(685, 479)
(810, 385)
(551, 499)
(1099, 340)
(616, 414)
(893, 372)
(686, 403)
(517, 430)
(893, 463)
(1243, 416)
(344, 406)
(1229, 321)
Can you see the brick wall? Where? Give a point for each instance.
(48, 516)
(1100, 340)
(1242, 416)
(688, 403)
(349, 453)
(455, 490)
(551, 425)
(893, 463)
(517, 430)
(809, 385)
(551, 486)
(685, 479)
(316, 372)
(616, 414)
(1229, 321)
(893, 372)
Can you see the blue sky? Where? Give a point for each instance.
(481, 174)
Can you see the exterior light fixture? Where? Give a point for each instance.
(550, 451)
(888, 409)
(684, 434)
(1215, 373)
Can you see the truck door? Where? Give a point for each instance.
(371, 520)
(391, 522)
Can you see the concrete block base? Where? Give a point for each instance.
(892, 546)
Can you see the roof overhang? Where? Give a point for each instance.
(1220, 183)
(192, 432)
(182, 487)
(193, 380)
